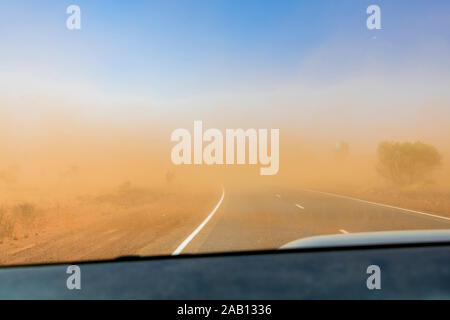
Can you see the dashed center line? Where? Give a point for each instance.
(299, 206)
(343, 231)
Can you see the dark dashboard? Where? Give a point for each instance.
(404, 272)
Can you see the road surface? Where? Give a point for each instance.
(234, 220)
(269, 220)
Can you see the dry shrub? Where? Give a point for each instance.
(407, 163)
(25, 214)
(6, 225)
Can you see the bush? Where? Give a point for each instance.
(6, 227)
(25, 213)
(341, 150)
(407, 163)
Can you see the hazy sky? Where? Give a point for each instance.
(134, 60)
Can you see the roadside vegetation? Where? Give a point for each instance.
(17, 221)
(408, 174)
(407, 164)
(6, 226)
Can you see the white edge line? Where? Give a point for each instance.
(193, 234)
(299, 206)
(343, 231)
(381, 204)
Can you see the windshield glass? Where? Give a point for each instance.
(171, 127)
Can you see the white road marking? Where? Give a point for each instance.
(382, 205)
(193, 234)
(299, 206)
(343, 231)
(22, 249)
(109, 231)
(278, 196)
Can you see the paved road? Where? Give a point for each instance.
(236, 220)
(269, 219)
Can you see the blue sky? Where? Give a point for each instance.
(287, 63)
(167, 50)
(192, 46)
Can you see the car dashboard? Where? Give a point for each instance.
(406, 271)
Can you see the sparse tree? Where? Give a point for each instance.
(407, 163)
(341, 150)
(6, 226)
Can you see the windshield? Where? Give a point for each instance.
(164, 128)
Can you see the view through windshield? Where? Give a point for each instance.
(171, 127)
